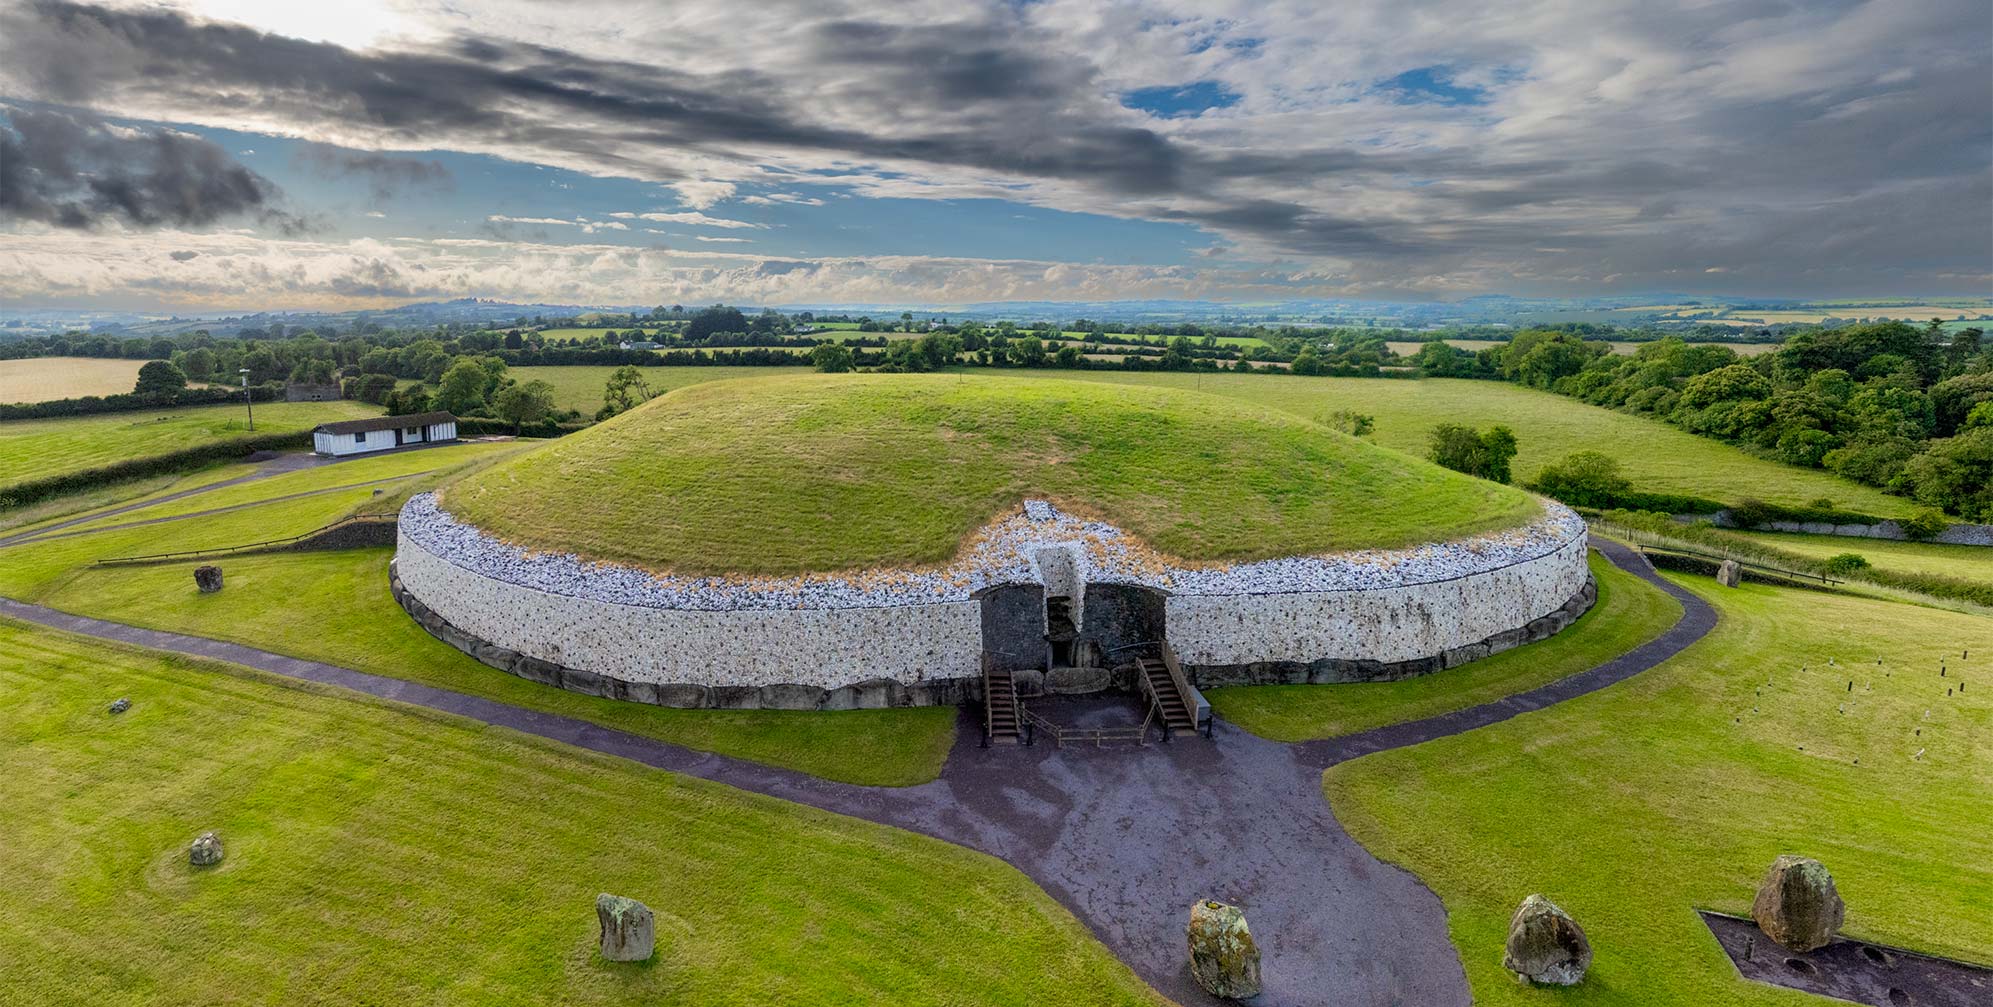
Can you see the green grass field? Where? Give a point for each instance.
(377, 855)
(1657, 457)
(1628, 613)
(1633, 806)
(580, 387)
(831, 472)
(1970, 562)
(357, 624)
(135, 491)
(35, 449)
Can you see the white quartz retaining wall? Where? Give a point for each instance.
(616, 631)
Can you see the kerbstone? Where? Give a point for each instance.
(629, 930)
(1224, 958)
(1545, 945)
(1797, 904)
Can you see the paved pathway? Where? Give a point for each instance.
(1126, 838)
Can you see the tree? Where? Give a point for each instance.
(462, 390)
(625, 391)
(160, 380)
(718, 318)
(408, 401)
(1351, 422)
(1584, 479)
(523, 404)
(373, 388)
(1027, 352)
(312, 371)
(831, 358)
(939, 349)
(198, 363)
(1465, 449)
(906, 321)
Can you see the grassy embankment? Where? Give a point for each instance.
(1635, 805)
(42, 379)
(832, 472)
(1658, 458)
(1629, 612)
(378, 855)
(335, 607)
(580, 387)
(37, 449)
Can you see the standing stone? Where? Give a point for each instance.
(120, 705)
(206, 850)
(1729, 574)
(629, 933)
(208, 578)
(1223, 957)
(1546, 945)
(1797, 904)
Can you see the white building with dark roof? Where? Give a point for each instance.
(382, 433)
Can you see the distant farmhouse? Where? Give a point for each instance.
(298, 391)
(645, 345)
(382, 433)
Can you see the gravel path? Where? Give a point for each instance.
(1126, 838)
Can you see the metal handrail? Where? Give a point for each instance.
(1739, 560)
(1098, 735)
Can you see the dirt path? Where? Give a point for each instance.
(1126, 838)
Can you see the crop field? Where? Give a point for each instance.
(1969, 562)
(356, 623)
(1629, 612)
(836, 472)
(1657, 457)
(32, 449)
(1778, 733)
(580, 387)
(380, 855)
(40, 379)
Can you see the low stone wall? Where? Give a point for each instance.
(816, 643)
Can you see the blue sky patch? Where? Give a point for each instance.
(1181, 101)
(1431, 85)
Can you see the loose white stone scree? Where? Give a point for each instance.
(833, 630)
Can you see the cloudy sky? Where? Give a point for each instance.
(345, 153)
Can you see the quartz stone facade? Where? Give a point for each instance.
(918, 638)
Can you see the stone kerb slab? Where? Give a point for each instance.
(918, 639)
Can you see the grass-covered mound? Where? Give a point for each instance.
(819, 473)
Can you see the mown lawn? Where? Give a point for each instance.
(1635, 805)
(1970, 562)
(335, 607)
(1655, 456)
(397, 465)
(35, 449)
(580, 387)
(833, 472)
(1629, 612)
(74, 505)
(376, 855)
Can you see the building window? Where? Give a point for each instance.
(359, 438)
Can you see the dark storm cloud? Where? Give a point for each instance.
(387, 175)
(74, 170)
(183, 255)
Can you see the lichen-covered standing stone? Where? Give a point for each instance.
(629, 934)
(1729, 574)
(1546, 945)
(1797, 904)
(1223, 957)
(205, 851)
(208, 578)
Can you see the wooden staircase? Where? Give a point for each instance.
(1177, 705)
(1003, 717)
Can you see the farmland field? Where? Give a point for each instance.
(580, 387)
(40, 379)
(1622, 347)
(1634, 805)
(377, 855)
(1657, 457)
(31, 449)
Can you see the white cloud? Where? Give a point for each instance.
(700, 194)
(695, 219)
(707, 237)
(782, 197)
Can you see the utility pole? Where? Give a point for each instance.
(246, 402)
